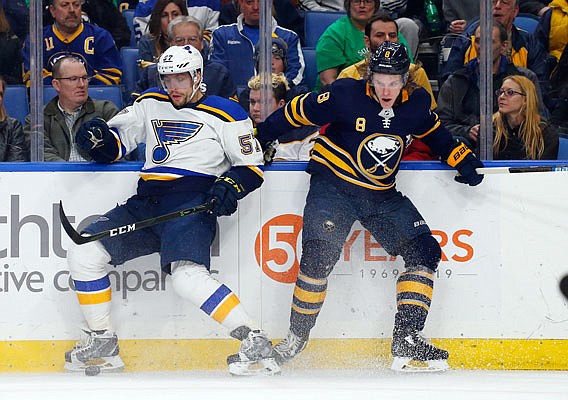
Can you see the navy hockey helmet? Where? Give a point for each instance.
(389, 58)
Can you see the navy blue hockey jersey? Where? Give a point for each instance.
(363, 143)
(93, 45)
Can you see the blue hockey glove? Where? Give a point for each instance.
(225, 194)
(462, 159)
(97, 140)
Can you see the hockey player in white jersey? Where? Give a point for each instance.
(199, 150)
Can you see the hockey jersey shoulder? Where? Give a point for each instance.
(222, 108)
(153, 93)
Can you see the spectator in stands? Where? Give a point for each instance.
(156, 41)
(10, 52)
(522, 48)
(380, 28)
(216, 79)
(457, 14)
(551, 29)
(233, 45)
(18, 15)
(67, 111)
(284, 11)
(537, 8)
(343, 44)
(459, 97)
(205, 11)
(13, 146)
(279, 50)
(322, 5)
(103, 13)
(294, 145)
(70, 35)
(520, 133)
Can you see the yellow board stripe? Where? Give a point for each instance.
(414, 287)
(210, 354)
(309, 297)
(94, 298)
(225, 308)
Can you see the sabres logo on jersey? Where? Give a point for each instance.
(379, 155)
(169, 133)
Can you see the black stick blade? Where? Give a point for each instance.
(73, 234)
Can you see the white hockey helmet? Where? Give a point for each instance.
(178, 59)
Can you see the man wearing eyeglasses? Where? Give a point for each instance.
(217, 79)
(67, 111)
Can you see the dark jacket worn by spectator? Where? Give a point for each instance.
(57, 138)
(13, 146)
(526, 52)
(459, 97)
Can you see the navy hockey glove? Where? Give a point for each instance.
(462, 159)
(95, 138)
(225, 194)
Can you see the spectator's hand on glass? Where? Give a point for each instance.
(458, 26)
(474, 133)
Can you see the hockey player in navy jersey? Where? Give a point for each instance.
(353, 168)
(199, 150)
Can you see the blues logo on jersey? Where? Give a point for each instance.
(169, 133)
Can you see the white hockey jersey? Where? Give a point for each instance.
(202, 139)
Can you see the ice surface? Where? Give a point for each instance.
(293, 384)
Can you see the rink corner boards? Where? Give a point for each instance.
(210, 354)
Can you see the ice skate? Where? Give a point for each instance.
(412, 346)
(289, 347)
(255, 357)
(98, 348)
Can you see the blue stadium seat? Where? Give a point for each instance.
(111, 92)
(311, 70)
(16, 102)
(130, 75)
(563, 147)
(128, 14)
(316, 22)
(526, 22)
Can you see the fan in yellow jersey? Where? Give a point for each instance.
(199, 150)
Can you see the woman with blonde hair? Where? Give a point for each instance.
(13, 145)
(519, 131)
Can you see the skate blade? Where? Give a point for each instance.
(106, 365)
(264, 367)
(407, 364)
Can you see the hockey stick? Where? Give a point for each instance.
(80, 239)
(516, 170)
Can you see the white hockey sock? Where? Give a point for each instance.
(194, 283)
(87, 265)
